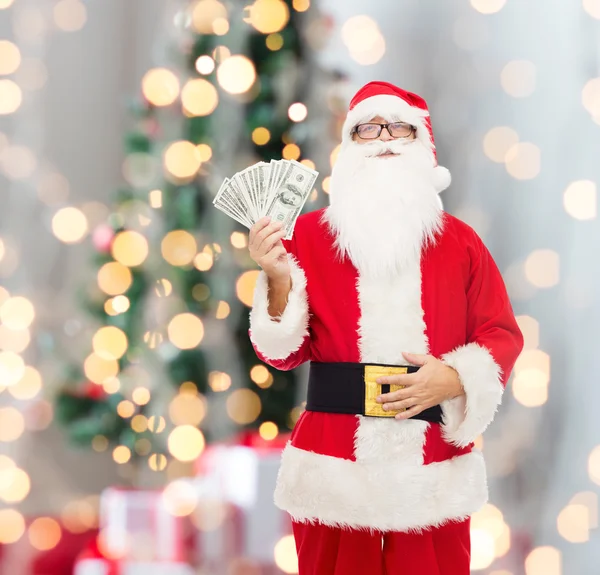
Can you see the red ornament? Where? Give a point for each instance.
(102, 238)
(94, 391)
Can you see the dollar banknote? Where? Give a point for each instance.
(278, 189)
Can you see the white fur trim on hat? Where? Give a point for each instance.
(391, 108)
(441, 178)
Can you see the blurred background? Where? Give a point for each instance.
(138, 431)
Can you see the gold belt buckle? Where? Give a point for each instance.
(373, 389)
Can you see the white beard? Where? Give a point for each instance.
(383, 211)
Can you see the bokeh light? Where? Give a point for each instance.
(488, 6)
(160, 86)
(518, 78)
(178, 247)
(268, 430)
(12, 526)
(268, 16)
(219, 381)
(530, 328)
(157, 462)
(364, 40)
(205, 65)
(185, 331)
(10, 57)
(594, 465)
(17, 313)
(12, 368)
(125, 409)
(141, 395)
(32, 74)
(186, 443)
(121, 454)
(205, 152)
(483, 549)
(244, 287)
(542, 268)
(530, 387)
(129, 248)
(98, 369)
(157, 424)
(114, 278)
(18, 162)
(182, 159)
(28, 386)
(5, 4)
(297, 112)
(239, 240)
(199, 97)
(523, 161)
(180, 498)
(590, 97)
(16, 485)
(301, 5)
(291, 152)
(10, 96)
(544, 561)
(69, 225)
(236, 74)
(580, 200)
(592, 7)
(573, 523)
(498, 141)
(70, 15)
(99, 443)
(223, 310)
(205, 14)
(44, 533)
(285, 554)
(187, 409)
(274, 42)
(110, 342)
(260, 136)
(12, 424)
(220, 26)
(243, 406)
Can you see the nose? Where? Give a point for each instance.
(385, 136)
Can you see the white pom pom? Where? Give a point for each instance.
(441, 178)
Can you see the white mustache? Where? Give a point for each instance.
(377, 147)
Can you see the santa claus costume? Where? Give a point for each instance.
(382, 271)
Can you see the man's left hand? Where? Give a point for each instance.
(433, 383)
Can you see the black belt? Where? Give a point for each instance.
(352, 388)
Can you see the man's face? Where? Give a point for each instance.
(384, 136)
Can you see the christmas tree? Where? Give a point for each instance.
(170, 364)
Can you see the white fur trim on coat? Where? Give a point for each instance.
(441, 178)
(277, 338)
(391, 108)
(467, 416)
(390, 496)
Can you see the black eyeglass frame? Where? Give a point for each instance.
(413, 129)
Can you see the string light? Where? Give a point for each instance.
(542, 268)
(223, 310)
(187, 409)
(244, 287)
(243, 406)
(121, 454)
(268, 16)
(44, 533)
(98, 370)
(219, 381)
(205, 65)
(580, 200)
(297, 112)
(268, 430)
(488, 6)
(205, 14)
(185, 331)
(236, 74)
(274, 42)
(114, 278)
(110, 342)
(129, 248)
(199, 97)
(10, 57)
(160, 86)
(178, 247)
(291, 152)
(301, 5)
(186, 443)
(182, 159)
(261, 136)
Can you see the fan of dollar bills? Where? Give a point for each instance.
(277, 189)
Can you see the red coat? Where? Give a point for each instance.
(384, 473)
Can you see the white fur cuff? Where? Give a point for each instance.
(467, 416)
(279, 338)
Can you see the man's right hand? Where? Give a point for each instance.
(266, 249)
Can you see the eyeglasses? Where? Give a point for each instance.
(371, 131)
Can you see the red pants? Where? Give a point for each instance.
(325, 550)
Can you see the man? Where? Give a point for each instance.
(405, 319)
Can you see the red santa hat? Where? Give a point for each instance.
(395, 104)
